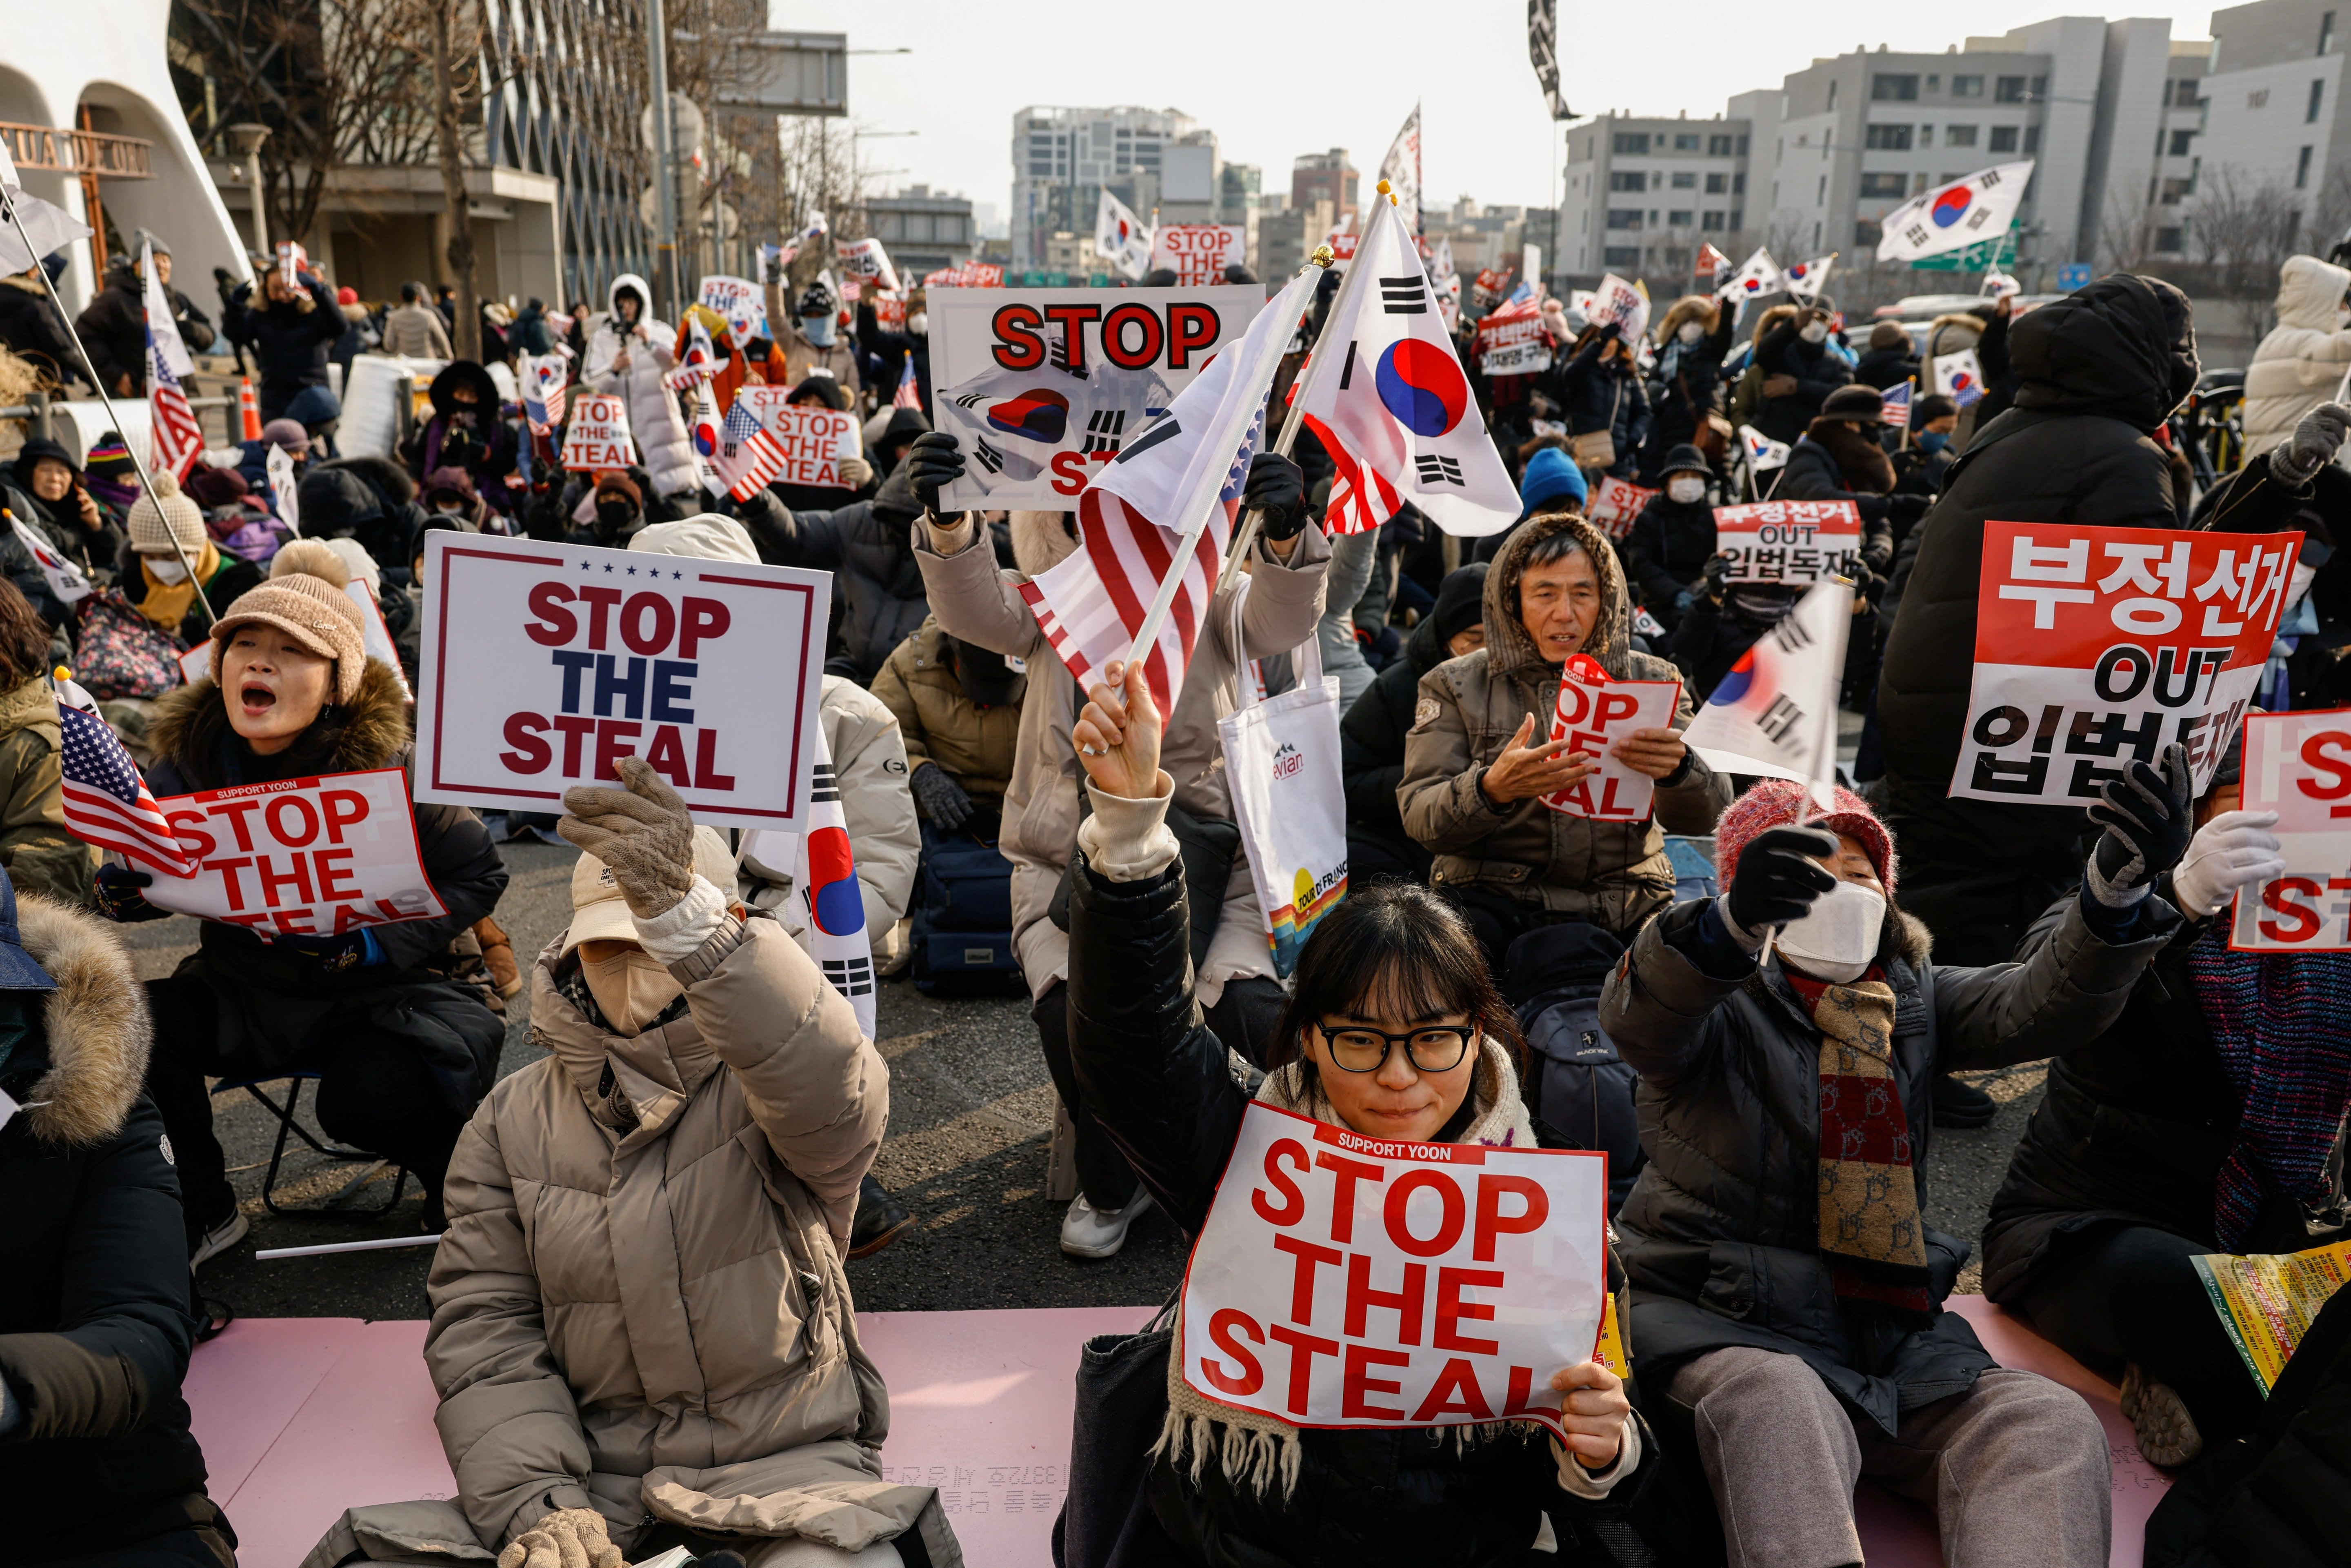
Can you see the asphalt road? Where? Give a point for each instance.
(971, 1114)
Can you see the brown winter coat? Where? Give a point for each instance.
(41, 856)
(1614, 875)
(974, 746)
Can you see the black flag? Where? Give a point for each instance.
(1542, 47)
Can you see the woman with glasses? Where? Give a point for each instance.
(1393, 1030)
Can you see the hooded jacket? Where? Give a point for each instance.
(1614, 874)
(291, 342)
(483, 446)
(974, 746)
(40, 855)
(802, 356)
(371, 499)
(975, 601)
(113, 328)
(1783, 352)
(2301, 362)
(653, 416)
(865, 544)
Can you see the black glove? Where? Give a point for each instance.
(934, 460)
(1718, 568)
(1909, 506)
(2148, 822)
(1778, 878)
(1277, 486)
(943, 800)
(116, 890)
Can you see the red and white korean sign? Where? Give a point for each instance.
(1594, 716)
(1486, 290)
(1345, 1281)
(597, 439)
(2097, 645)
(544, 664)
(1614, 504)
(968, 274)
(1513, 345)
(1789, 541)
(741, 301)
(2299, 766)
(815, 440)
(1621, 304)
(1199, 253)
(312, 857)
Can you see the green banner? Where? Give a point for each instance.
(1982, 256)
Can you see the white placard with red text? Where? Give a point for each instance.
(814, 440)
(1614, 504)
(1513, 345)
(543, 664)
(596, 437)
(741, 301)
(1618, 303)
(2299, 766)
(1199, 253)
(1595, 718)
(1789, 541)
(2094, 646)
(1345, 1281)
(314, 857)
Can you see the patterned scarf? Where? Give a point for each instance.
(2276, 1020)
(1869, 1227)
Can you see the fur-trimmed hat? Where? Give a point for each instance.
(303, 598)
(1783, 803)
(157, 521)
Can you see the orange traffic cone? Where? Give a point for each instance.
(248, 409)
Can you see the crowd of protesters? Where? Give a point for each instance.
(1782, 1286)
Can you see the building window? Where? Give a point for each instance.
(1742, 146)
(1685, 140)
(1624, 217)
(1867, 232)
(1967, 87)
(1894, 88)
(1738, 218)
(1710, 222)
(2040, 88)
(1883, 187)
(1918, 182)
(1959, 136)
(1680, 218)
(1886, 138)
(2172, 240)
(2318, 94)
(2258, 99)
(1685, 180)
(1633, 141)
(1816, 233)
(2302, 169)
(1934, 82)
(2326, 32)
(1926, 136)
(1831, 92)
(1627, 180)
(2031, 139)
(1737, 187)
(2175, 191)
(1717, 146)
(1620, 255)
(1716, 183)
(2180, 143)
(1820, 196)
(2009, 89)
(2003, 138)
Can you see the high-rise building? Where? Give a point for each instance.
(1062, 159)
(2275, 126)
(1642, 195)
(1329, 175)
(924, 230)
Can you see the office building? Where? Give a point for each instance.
(1642, 195)
(2273, 119)
(923, 231)
(1062, 159)
(1329, 175)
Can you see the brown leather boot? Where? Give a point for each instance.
(499, 956)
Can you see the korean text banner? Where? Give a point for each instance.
(2094, 646)
(2299, 766)
(1041, 386)
(544, 664)
(814, 440)
(1345, 1281)
(316, 857)
(1515, 345)
(1789, 541)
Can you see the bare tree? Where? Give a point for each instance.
(455, 44)
(2131, 236)
(2244, 230)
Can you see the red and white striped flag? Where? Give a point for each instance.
(747, 456)
(910, 394)
(700, 361)
(106, 802)
(1193, 458)
(178, 440)
(1897, 405)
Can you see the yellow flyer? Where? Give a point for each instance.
(2267, 1301)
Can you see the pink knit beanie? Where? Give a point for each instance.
(1783, 803)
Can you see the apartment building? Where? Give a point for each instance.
(2272, 115)
(1642, 195)
(1062, 159)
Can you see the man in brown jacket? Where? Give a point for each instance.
(641, 1333)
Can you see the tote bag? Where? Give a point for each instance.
(1282, 765)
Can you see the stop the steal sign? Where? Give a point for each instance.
(313, 857)
(544, 664)
(1345, 1281)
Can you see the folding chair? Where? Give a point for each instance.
(288, 1123)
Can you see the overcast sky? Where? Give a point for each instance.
(1275, 78)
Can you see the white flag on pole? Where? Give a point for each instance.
(1401, 167)
(1121, 238)
(1805, 279)
(1953, 217)
(65, 578)
(160, 321)
(1763, 451)
(1775, 713)
(50, 229)
(1756, 276)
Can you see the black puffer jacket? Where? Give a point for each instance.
(1667, 551)
(1688, 394)
(1167, 1098)
(1720, 1233)
(1885, 369)
(1371, 747)
(1605, 394)
(868, 544)
(113, 328)
(291, 342)
(31, 330)
(1818, 372)
(371, 499)
(94, 1325)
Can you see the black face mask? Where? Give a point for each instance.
(984, 678)
(612, 520)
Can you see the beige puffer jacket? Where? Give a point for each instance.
(639, 1304)
(978, 603)
(2302, 361)
(1614, 875)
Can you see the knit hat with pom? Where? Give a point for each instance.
(1783, 803)
(166, 516)
(303, 598)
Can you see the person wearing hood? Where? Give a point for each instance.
(371, 499)
(1840, 458)
(467, 433)
(113, 327)
(1799, 371)
(2302, 361)
(1600, 391)
(899, 433)
(1551, 483)
(979, 602)
(45, 488)
(449, 494)
(1671, 541)
(290, 331)
(1692, 341)
(32, 329)
(877, 582)
(1787, 1292)
(413, 330)
(629, 357)
(1889, 360)
(403, 1054)
(958, 711)
(1922, 461)
(1371, 735)
(165, 537)
(237, 523)
(616, 513)
(97, 1463)
(1479, 757)
(892, 350)
(808, 336)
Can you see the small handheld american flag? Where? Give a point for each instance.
(1897, 405)
(747, 456)
(106, 802)
(909, 394)
(179, 440)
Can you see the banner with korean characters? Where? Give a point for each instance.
(1789, 541)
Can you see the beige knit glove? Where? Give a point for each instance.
(643, 834)
(567, 1538)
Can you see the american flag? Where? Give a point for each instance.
(545, 390)
(1897, 405)
(909, 395)
(747, 456)
(178, 439)
(106, 803)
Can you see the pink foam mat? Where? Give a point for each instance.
(303, 1417)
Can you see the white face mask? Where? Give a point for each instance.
(167, 568)
(1837, 938)
(1816, 332)
(631, 988)
(919, 323)
(1691, 332)
(1686, 490)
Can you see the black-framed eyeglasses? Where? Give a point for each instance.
(1435, 1048)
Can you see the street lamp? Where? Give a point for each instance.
(245, 139)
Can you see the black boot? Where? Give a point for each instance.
(1961, 1106)
(880, 1219)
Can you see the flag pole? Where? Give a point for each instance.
(146, 480)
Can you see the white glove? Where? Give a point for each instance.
(2235, 850)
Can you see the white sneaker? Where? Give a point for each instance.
(219, 1240)
(1091, 1232)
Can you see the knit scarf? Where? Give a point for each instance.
(166, 604)
(2277, 1021)
(1252, 1449)
(1869, 1226)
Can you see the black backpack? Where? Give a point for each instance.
(1575, 1081)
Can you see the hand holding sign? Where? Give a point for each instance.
(302, 858)
(1527, 770)
(1621, 729)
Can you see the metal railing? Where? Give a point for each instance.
(71, 152)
